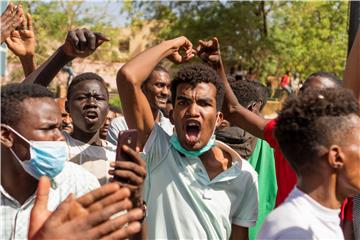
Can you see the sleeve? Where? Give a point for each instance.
(247, 212)
(156, 147)
(269, 134)
(116, 125)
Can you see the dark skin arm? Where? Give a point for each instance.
(352, 70)
(78, 43)
(136, 107)
(209, 52)
(239, 233)
(135, 172)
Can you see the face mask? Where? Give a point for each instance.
(47, 158)
(174, 141)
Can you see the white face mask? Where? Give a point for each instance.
(47, 158)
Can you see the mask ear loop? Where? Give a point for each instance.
(18, 134)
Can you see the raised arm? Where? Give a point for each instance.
(352, 69)
(79, 43)
(130, 77)
(209, 52)
(22, 43)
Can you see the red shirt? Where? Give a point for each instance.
(285, 81)
(347, 210)
(285, 175)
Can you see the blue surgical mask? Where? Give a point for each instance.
(174, 141)
(47, 158)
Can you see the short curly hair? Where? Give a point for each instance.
(245, 92)
(316, 118)
(194, 74)
(12, 97)
(87, 76)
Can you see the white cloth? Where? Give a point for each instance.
(301, 217)
(183, 203)
(119, 124)
(15, 217)
(95, 159)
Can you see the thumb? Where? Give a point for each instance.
(39, 212)
(42, 194)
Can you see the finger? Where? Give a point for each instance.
(20, 13)
(91, 38)
(126, 165)
(134, 155)
(102, 215)
(82, 39)
(10, 7)
(117, 223)
(42, 193)
(118, 196)
(29, 22)
(61, 213)
(72, 37)
(97, 194)
(132, 177)
(124, 232)
(101, 36)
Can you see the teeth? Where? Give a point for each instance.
(192, 124)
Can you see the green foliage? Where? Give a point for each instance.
(272, 37)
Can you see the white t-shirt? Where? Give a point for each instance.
(301, 217)
(95, 159)
(183, 203)
(119, 124)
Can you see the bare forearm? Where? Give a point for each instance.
(28, 65)
(237, 114)
(352, 70)
(48, 70)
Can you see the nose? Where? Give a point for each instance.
(91, 102)
(165, 91)
(193, 110)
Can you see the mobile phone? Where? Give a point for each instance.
(128, 138)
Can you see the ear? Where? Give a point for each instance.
(7, 138)
(220, 118)
(171, 112)
(336, 157)
(67, 109)
(255, 107)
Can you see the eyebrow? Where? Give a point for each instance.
(206, 99)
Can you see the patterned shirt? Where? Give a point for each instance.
(15, 216)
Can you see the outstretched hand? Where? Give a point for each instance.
(82, 42)
(182, 50)
(209, 52)
(85, 217)
(11, 18)
(22, 40)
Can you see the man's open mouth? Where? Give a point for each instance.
(91, 115)
(192, 132)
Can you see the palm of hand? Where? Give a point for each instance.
(22, 42)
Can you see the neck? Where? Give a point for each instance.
(156, 114)
(321, 189)
(18, 183)
(215, 161)
(85, 137)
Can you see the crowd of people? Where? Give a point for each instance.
(207, 164)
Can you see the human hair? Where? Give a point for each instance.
(194, 74)
(245, 92)
(263, 93)
(12, 97)
(87, 76)
(317, 118)
(115, 109)
(157, 68)
(330, 76)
